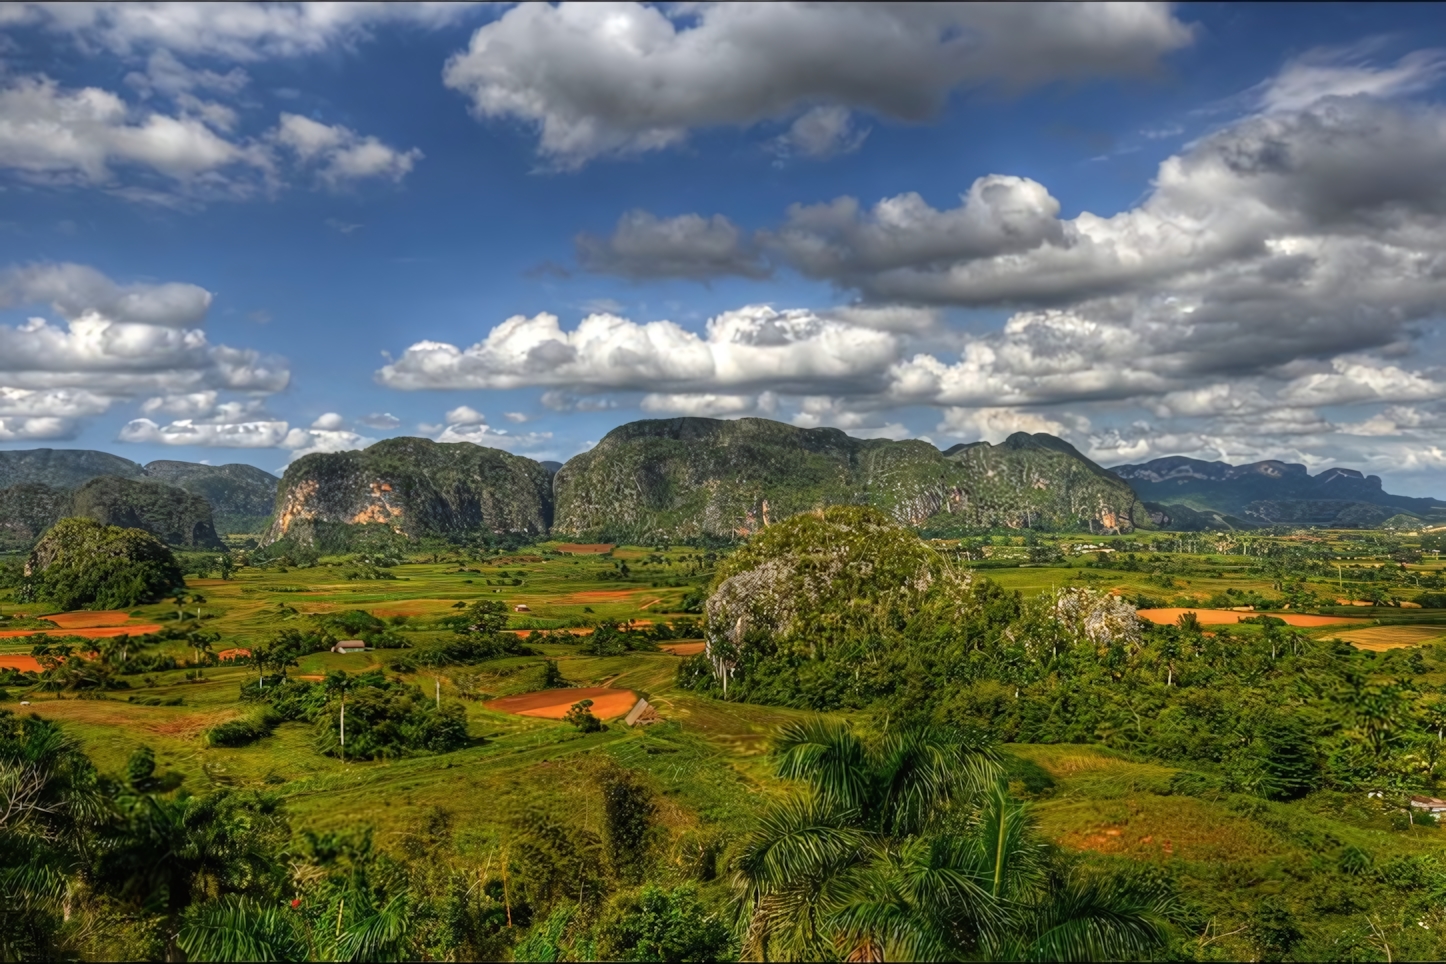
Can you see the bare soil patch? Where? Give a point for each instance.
(226, 654)
(607, 702)
(1381, 638)
(685, 648)
(90, 620)
(22, 663)
(591, 548)
(595, 596)
(1218, 617)
(135, 629)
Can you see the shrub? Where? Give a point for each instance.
(580, 716)
(244, 731)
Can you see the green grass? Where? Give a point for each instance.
(707, 762)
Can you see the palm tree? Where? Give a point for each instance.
(169, 856)
(908, 848)
(50, 800)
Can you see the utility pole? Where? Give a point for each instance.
(439, 692)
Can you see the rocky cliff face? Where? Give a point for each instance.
(691, 477)
(172, 515)
(416, 487)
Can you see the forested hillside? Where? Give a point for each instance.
(697, 477)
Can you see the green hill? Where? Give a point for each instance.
(84, 564)
(695, 477)
(63, 468)
(241, 496)
(174, 516)
(415, 487)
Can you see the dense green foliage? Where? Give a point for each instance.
(380, 718)
(821, 594)
(82, 564)
(904, 849)
(1263, 709)
(172, 515)
(685, 478)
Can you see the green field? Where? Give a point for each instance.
(707, 765)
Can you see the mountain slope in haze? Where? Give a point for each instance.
(1273, 492)
(63, 468)
(691, 477)
(416, 487)
(172, 515)
(241, 496)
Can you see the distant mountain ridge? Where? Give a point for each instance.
(1272, 492)
(691, 477)
(683, 478)
(181, 503)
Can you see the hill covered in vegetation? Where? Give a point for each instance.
(84, 564)
(415, 487)
(63, 468)
(696, 477)
(174, 516)
(1272, 492)
(240, 496)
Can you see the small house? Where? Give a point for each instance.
(1429, 804)
(642, 714)
(349, 646)
(521, 608)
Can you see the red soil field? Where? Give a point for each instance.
(226, 654)
(22, 663)
(596, 596)
(135, 629)
(554, 704)
(684, 649)
(580, 549)
(1218, 617)
(89, 620)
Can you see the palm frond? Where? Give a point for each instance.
(239, 929)
(1099, 918)
(830, 757)
(380, 935)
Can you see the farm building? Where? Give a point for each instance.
(642, 714)
(349, 646)
(1429, 804)
(522, 608)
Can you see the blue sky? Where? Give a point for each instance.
(244, 233)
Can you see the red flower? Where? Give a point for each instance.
(295, 903)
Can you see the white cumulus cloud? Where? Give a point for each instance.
(616, 78)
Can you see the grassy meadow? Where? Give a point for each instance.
(708, 761)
